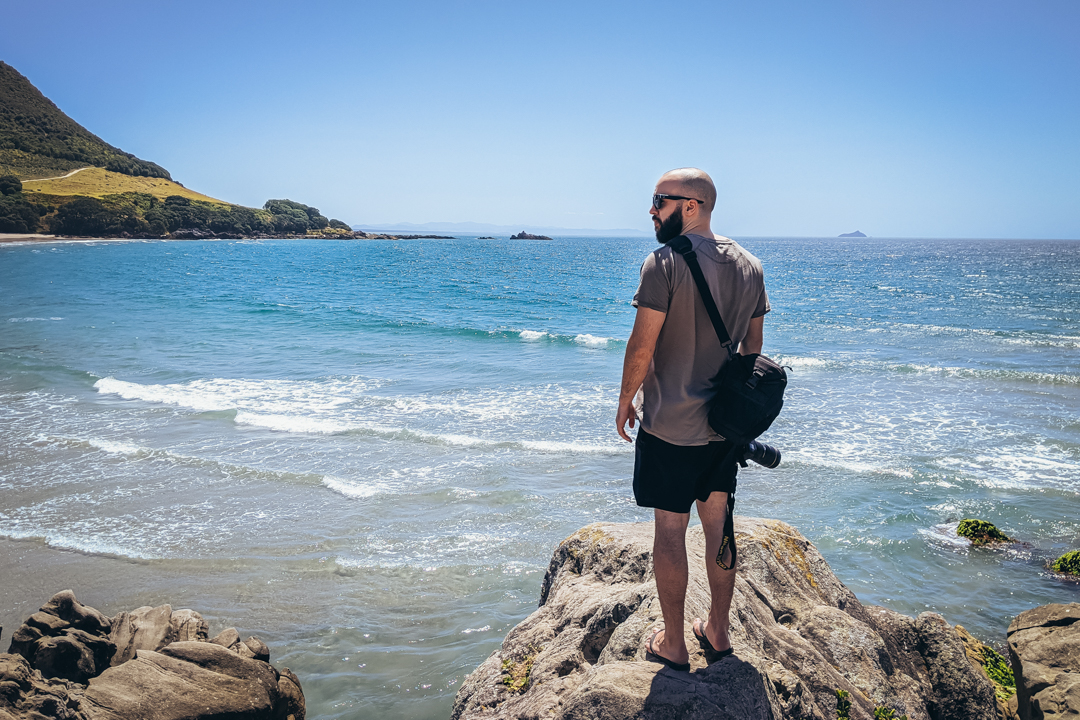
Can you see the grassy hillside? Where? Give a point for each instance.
(57, 177)
(96, 182)
(38, 140)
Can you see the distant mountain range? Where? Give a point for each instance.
(474, 228)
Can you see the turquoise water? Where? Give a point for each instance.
(365, 451)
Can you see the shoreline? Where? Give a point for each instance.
(40, 238)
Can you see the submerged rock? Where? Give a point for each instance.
(71, 662)
(981, 532)
(799, 636)
(1067, 564)
(1044, 647)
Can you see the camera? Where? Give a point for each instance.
(761, 453)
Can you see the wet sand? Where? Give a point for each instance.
(32, 237)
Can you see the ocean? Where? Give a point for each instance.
(365, 451)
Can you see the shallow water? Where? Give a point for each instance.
(365, 451)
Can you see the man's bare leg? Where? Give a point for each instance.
(713, 514)
(672, 574)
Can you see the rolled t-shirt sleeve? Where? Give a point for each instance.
(763, 305)
(654, 289)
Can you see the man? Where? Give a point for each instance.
(672, 355)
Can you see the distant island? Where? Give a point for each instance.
(58, 178)
(854, 234)
(486, 237)
(526, 236)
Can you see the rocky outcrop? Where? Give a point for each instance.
(69, 661)
(65, 639)
(1044, 647)
(150, 628)
(192, 680)
(528, 236)
(994, 668)
(25, 693)
(799, 636)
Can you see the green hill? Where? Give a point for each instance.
(58, 177)
(38, 140)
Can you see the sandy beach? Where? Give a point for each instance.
(32, 237)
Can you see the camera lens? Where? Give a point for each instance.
(763, 454)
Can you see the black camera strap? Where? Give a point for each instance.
(728, 554)
(684, 247)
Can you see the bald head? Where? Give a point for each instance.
(694, 183)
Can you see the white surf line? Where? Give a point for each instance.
(60, 177)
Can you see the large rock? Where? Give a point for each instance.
(149, 628)
(798, 632)
(193, 680)
(24, 693)
(1044, 648)
(65, 639)
(69, 661)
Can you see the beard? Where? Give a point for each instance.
(670, 228)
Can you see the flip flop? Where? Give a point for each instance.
(680, 667)
(699, 632)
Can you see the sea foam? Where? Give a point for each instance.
(592, 340)
(86, 544)
(354, 490)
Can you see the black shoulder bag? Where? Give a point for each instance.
(749, 388)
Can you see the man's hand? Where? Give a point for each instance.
(626, 413)
(639, 354)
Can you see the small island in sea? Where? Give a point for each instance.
(856, 234)
(526, 236)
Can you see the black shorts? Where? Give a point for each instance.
(670, 477)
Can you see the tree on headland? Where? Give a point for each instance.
(291, 216)
(87, 216)
(17, 215)
(81, 216)
(9, 185)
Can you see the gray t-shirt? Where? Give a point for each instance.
(688, 353)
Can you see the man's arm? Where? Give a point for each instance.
(755, 337)
(639, 355)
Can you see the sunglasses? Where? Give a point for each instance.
(659, 198)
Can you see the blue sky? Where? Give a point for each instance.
(919, 119)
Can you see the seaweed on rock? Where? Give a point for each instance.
(980, 532)
(1068, 564)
